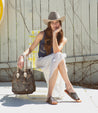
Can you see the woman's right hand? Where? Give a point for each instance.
(57, 30)
(20, 62)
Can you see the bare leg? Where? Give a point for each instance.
(52, 82)
(62, 68)
(63, 71)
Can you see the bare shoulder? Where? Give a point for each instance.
(40, 35)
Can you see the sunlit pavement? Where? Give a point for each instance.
(36, 102)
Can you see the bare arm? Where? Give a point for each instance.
(34, 44)
(56, 47)
(29, 50)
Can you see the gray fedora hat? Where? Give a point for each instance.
(53, 16)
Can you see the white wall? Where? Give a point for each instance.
(80, 28)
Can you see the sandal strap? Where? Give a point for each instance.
(73, 95)
(51, 100)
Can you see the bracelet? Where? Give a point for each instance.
(23, 55)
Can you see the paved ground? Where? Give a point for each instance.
(35, 103)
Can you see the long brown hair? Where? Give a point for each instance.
(48, 38)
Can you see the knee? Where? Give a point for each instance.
(62, 63)
(59, 55)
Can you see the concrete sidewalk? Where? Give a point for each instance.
(36, 102)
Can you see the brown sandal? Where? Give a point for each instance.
(73, 95)
(52, 100)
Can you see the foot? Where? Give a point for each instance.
(52, 100)
(73, 95)
(70, 89)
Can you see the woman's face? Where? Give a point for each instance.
(55, 25)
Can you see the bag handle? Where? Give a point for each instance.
(25, 67)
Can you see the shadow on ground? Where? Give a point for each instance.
(16, 101)
(20, 100)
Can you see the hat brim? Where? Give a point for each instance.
(46, 21)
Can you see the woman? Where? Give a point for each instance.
(51, 59)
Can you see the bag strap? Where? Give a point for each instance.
(25, 67)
